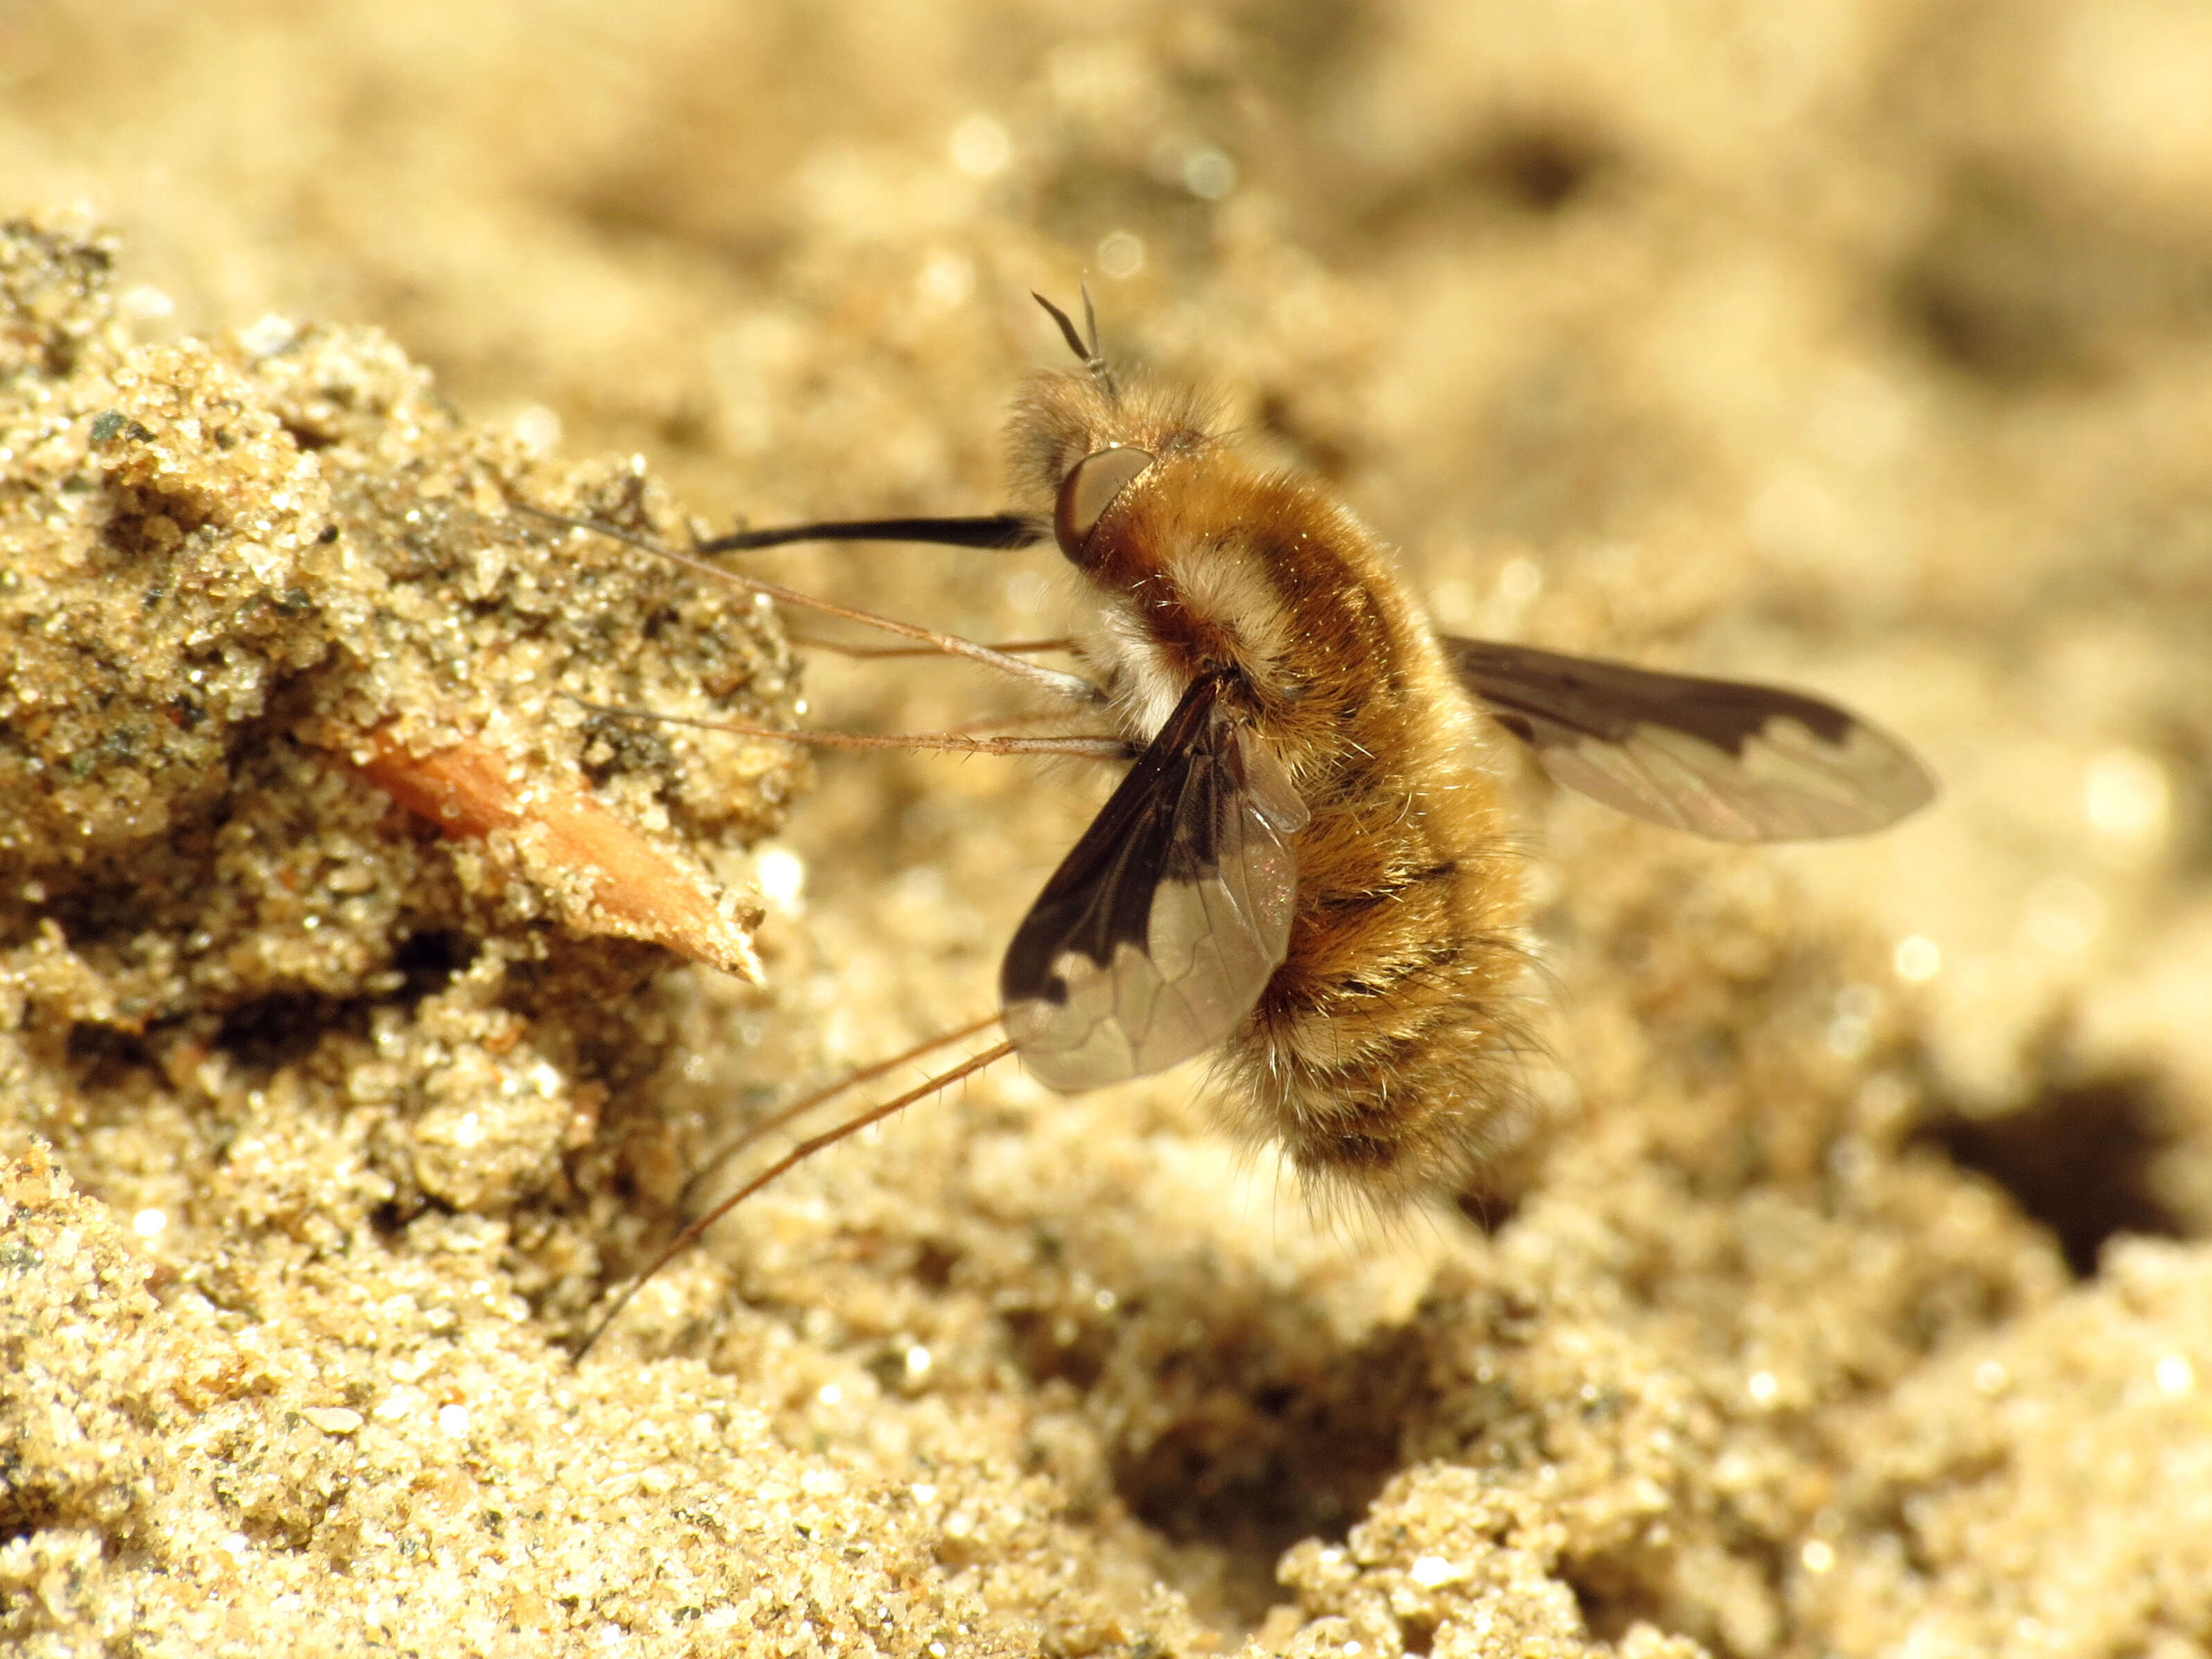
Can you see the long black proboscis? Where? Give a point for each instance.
(997, 530)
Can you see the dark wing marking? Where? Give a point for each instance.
(1715, 757)
(1164, 923)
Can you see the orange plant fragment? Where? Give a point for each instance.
(607, 877)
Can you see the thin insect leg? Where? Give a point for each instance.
(997, 721)
(957, 743)
(1011, 647)
(777, 1118)
(790, 1160)
(1073, 687)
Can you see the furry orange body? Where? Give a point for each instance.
(1304, 869)
(1379, 1048)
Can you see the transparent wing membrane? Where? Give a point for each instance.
(1721, 758)
(1163, 924)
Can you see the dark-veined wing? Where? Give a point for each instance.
(1715, 757)
(1161, 926)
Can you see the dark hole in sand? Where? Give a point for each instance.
(2080, 1159)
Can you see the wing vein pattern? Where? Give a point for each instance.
(1166, 920)
(1721, 758)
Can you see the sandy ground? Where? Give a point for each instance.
(1849, 1297)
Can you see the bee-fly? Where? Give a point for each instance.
(1306, 867)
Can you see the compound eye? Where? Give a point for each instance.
(1092, 485)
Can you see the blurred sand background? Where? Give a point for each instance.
(1853, 1298)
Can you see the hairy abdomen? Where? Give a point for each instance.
(1381, 1052)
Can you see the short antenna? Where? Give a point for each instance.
(1087, 350)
